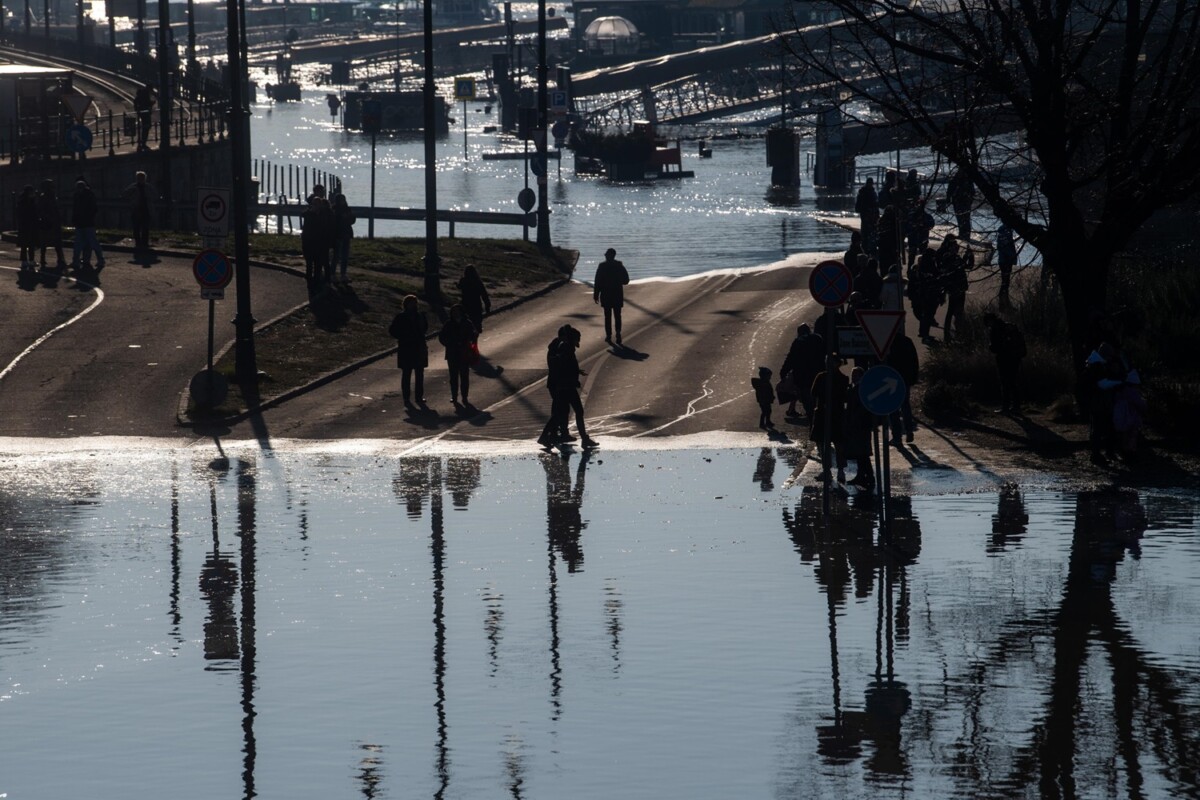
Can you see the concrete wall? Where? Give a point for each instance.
(191, 167)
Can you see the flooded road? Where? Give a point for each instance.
(330, 622)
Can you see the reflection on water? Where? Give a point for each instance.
(1023, 644)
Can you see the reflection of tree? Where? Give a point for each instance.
(843, 546)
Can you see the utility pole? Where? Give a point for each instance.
(245, 359)
(165, 51)
(543, 211)
(433, 289)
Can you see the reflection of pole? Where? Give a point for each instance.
(555, 662)
(176, 561)
(464, 129)
(246, 529)
(885, 486)
(245, 360)
(437, 541)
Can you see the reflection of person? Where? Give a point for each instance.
(860, 424)
(1011, 520)
(462, 479)
(564, 518)
(408, 328)
(609, 291)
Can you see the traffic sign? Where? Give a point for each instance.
(560, 129)
(881, 328)
(882, 390)
(537, 164)
(558, 102)
(852, 342)
(212, 269)
(526, 199)
(464, 88)
(830, 283)
(372, 115)
(212, 294)
(79, 138)
(78, 104)
(212, 212)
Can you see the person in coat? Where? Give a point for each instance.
(1007, 344)
(83, 215)
(866, 205)
(837, 414)
(902, 357)
(474, 297)
(567, 377)
(765, 396)
(408, 328)
(141, 197)
(316, 238)
(859, 425)
(457, 336)
(555, 430)
(609, 291)
(343, 234)
(50, 223)
(804, 360)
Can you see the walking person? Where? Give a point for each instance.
(765, 396)
(143, 106)
(837, 415)
(850, 258)
(609, 291)
(952, 272)
(83, 215)
(860, 424)
(569, 374)
(27, 227)
(50, 224)
(343, 234)
(961, 194)
(141, 196)
(409, 328)
(458, 337)
(316, 239)
(902, 357)
(474, 297)
(804, 360)
(866, 205)
(555, 430)
(1007, 344)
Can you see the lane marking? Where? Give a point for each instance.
(99, 299)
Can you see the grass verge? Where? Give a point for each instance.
(343, 324)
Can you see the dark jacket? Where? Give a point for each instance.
(474, 296)
(609, 287)
(1006, 341)
(564, 369)
(866, 203)
(903, 358)
(343, 223)
(318, 223)
(804, 360)
(27, 217)
(83, 207)
(49, 217)
(859, 422)
(456, 337)
(409, 329)
(838, 407)
(763, 392)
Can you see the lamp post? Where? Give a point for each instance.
(433, 291)
(245, 360)
(543, 211)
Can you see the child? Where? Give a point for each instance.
(765, 396)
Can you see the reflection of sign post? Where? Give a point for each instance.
(830, 284)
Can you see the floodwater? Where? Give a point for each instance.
(643, 624)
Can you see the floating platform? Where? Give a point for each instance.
(551, 155)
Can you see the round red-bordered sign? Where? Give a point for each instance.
(212, 269)
(830, 283)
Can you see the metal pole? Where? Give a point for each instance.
(543, 212)
(827, 411)
(245, 359)
(433, 291)
(885, 486)
(371, 217)
(191, 40)
(164, 105)
(211, 305)
(464, 129)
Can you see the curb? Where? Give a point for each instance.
(183, 420)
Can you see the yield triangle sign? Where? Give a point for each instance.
(881, 328)
(78, 104)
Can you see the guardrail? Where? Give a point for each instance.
(280, 211)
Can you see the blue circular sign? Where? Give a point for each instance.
(830, 283)
(882, 390)
(79, 138)
(212, 269)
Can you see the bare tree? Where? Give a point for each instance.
(1106, 93)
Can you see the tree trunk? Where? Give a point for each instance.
(1083, 278)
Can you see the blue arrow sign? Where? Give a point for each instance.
(79, 138)
(882, 390)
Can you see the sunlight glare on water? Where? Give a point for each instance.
(651, 624)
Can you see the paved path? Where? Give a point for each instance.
(117, 369)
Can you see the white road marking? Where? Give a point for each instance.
(99, 299)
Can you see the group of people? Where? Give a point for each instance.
(1111, 396)
(326, 230)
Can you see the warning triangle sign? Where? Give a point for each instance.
(881, 328)
(78, 104)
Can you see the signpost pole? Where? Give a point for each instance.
(827, 411)
(879, 476)
(371, 216)
(885, 486)
(211, 307)
(464, 129)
